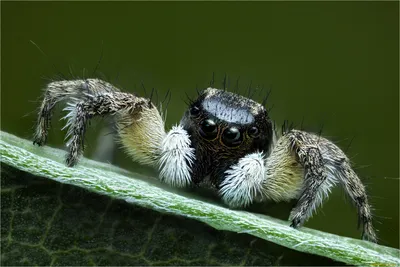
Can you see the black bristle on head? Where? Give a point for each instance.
(249, 89)
(224, 82)
(189, 101)
(264, 102)
(212, 82)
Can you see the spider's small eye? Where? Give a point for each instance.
(253, 132)
(208, 129)
(232, 137)
(194, 111)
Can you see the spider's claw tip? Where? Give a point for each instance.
(39, 141)
(296, 223)
(71, 162)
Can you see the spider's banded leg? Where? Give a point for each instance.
(64, 90)
(324, 165)
(140, 125)
(356, 190)
(314, 176)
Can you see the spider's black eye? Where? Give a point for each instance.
(208, 129)
(253, 132)
(194, 111)
(232, 137)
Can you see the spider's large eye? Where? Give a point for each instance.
(194, 111)
(232, 137)
(253, 132)
(208, 129)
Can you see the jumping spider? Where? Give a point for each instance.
(224, 137)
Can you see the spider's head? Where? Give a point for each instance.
(224, 126)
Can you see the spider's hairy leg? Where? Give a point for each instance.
(356, 190)
(135, 116)
(324, 165)
(301, 166)
(308, 154)
(65, 90)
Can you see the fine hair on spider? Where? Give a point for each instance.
(223, 138)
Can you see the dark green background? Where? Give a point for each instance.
(333, 63)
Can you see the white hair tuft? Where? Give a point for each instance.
(176, 158)
(243, 181)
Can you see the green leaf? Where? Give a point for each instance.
(44, 222)
(146, 192)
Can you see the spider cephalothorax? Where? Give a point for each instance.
(223, 136)
(224, 127)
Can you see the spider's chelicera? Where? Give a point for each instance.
(223, 137)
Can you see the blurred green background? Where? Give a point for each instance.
(335, 64)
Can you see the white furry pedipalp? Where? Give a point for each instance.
(243, 181)
(176, 158)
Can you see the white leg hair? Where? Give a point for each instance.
(176, 158)
(243, 181)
